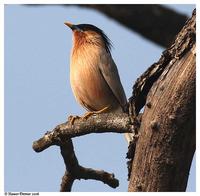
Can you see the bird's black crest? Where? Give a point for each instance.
(107, 41)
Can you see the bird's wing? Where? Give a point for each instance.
(110, 73)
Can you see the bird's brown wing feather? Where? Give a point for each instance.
(110, 74)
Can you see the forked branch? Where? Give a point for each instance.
(61, 135)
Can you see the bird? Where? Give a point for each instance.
(94, 76)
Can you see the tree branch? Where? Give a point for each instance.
(61, 135)
(148, 20)
(67, 182)
(156, 23)
(75, 171)
(100, 123)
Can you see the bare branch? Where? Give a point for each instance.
(101, 123)
(148, 20)
(75, 171)
(62, 134)
(67, 182)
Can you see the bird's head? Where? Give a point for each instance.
(89, 34)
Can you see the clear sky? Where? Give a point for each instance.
(38, 95)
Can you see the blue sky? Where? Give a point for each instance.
(38, 95)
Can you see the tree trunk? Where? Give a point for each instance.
(166, 143)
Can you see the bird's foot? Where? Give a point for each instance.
(71, 119)
(88, 114)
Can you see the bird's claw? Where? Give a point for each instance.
(71, 119)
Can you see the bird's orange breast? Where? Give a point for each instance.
(88, 85)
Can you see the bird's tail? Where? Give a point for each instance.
(129, 137)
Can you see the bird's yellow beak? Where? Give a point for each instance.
(70, 25)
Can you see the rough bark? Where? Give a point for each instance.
(149, 21)
(101, 123)
(166, 143)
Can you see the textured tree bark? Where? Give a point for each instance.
(166, 143)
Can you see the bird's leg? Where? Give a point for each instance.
(88, 114)
(71, 119)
